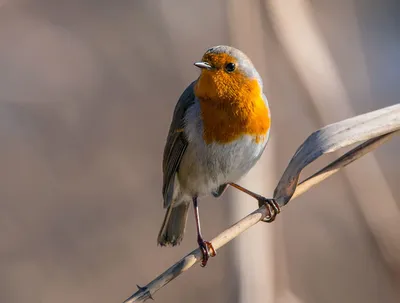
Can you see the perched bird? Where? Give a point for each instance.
(219, 130)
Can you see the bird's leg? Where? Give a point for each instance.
(206, 247)
(271, 205)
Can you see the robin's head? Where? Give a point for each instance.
(227, 74)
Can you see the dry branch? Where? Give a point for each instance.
(377, 127)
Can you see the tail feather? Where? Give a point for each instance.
(173, 226)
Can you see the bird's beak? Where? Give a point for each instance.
(203, 65)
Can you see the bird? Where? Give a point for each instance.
(219, 130)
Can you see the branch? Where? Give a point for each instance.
(377, 127)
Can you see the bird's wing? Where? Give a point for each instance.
(176, 144)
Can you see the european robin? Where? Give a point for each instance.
(219, 130)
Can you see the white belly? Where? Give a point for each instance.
(205, 167)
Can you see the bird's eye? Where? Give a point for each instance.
(230, 67)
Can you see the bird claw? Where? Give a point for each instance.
(207, 250)
(272, 206)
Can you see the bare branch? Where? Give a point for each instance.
(378, 126)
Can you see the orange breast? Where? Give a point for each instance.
(231, 109)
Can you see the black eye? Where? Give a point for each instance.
(230, 67)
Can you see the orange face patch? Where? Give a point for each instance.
(231, 103)
(218, 60)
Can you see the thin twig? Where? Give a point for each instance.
(235, 230)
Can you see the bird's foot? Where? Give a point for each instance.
(272, 206)
(207, 250)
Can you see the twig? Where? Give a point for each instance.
(235, 230)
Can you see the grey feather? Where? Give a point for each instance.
(173, 227)
(176, 144)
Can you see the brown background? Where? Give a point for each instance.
(87, 90)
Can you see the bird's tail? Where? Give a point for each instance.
(173, 226)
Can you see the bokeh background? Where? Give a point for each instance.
(87, 90)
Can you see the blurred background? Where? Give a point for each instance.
(87, 90)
